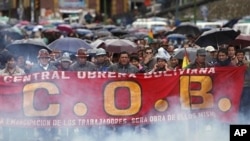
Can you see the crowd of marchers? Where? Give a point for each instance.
(151, 57)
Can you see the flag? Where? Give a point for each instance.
(185, 61)
(150, 36)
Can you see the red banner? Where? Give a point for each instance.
(57, 99)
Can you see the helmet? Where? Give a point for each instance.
(100, 51)
(81, 52)
(43, 53)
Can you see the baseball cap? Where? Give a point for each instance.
(201, 52)
(210, 49)
(100, 51)
(65, 59)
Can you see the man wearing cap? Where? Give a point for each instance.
(101, 63)
(64, 62)
(200, 61)
(43, 62)
(82, 64)
(212, 54)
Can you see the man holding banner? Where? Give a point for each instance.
(200, 61)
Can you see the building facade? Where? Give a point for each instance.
(36, 8)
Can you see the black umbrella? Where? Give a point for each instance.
(216, 37)
(118, 32)
(187, 29)
(107, 38)
(28, 48)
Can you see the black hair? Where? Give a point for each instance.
(123, 52)
(11, 56)
(222, 50)
(134, 57)
(240, 51)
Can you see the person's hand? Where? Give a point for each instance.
(166, 66)
(147, 59)
(154, 68)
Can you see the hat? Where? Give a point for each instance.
(201, 52)
(65, 59)
(81, 52)
(43, 53)
(210, 49)
(162, 54)
(100, 51)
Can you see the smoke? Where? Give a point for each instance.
(192, 130)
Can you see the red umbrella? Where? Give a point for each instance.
(24, 22)
(241, 40)
(65, 28)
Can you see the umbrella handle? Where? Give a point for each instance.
(111, 57)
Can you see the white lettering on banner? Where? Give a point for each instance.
(180, 72)
(28, 122)
(108, 121)
(56, 75)
(104, 121)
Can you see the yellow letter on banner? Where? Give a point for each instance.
(135, 98)
(186, 93)
(28, 100)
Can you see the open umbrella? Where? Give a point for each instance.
(216, 37)
(28, 48)
(187, 29)
(136, 35)
(97, 43)
(180, 53)
(65, 28)
(118, 32)
(176, 38)
(242, 41)
(102, 33)
(81, 31)
(107, 38)
(69, 44)
(119, 45)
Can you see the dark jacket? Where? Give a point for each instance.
(88, 66)
(224, 63)
(39, 68)
(195, 65)
(123, 68)
(150, 64)
(102, 66)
